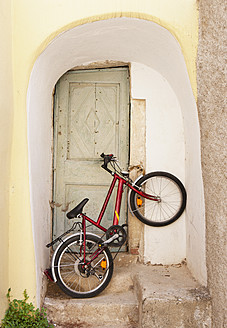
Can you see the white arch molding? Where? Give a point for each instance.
(159, 74)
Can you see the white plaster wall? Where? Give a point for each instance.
(129, 40)
(165, 151)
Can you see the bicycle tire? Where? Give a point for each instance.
(71, 276)
(171, 205)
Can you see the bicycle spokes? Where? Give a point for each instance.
(168, 203)
(83, 278)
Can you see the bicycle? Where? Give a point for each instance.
(82, 264)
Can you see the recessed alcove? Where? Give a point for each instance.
(159, 75)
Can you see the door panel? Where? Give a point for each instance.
(91, 116)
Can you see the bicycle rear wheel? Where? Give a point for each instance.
(79, 279)
(172, 199)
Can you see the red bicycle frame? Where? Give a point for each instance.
(121, 182)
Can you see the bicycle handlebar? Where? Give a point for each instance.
(107, 158)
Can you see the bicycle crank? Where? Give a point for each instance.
(116, 236)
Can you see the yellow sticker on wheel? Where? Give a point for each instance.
(139, 202)
(103, 264)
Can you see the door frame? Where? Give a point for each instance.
(137, 228)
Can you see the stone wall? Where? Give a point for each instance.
(212, 115)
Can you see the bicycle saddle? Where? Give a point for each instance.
(77, 210)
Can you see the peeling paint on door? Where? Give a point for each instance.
(91, 116)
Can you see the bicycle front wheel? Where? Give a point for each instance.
(81, 279)
(171, 194)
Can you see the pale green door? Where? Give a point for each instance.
(91, 116)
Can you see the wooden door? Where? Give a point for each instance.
(91, 116)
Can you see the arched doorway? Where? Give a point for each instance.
(156, 61)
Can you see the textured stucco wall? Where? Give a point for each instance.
(6, 106)
(35, 24)
(212, 116)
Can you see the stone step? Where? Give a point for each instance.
(115, 307)
(171, 298)
(138, 296)
(121, 281)
(111, 310)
